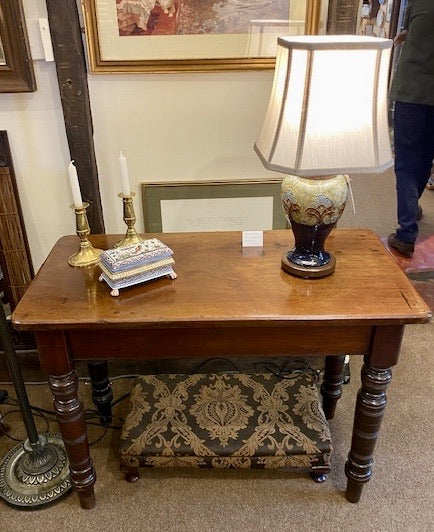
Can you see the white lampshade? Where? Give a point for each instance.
(328, 108)
(263, 35)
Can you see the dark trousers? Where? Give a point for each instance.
(414, 153)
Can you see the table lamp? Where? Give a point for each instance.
(327, 116)
(263, 34)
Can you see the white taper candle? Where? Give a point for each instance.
(75, 186)
(126, 189)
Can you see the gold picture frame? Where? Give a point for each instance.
(110, 53)
(16, 67)
(154, 194)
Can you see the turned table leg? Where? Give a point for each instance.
(376, 375)
(331, 388)
(370, 406)
(70, 416)
(102, 395)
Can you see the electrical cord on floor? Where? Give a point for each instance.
(50, 415)
(201, 365)
(14, 411)
(290, 369)
(121, 398)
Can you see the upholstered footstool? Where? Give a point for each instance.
(225, 421)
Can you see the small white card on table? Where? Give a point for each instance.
(253, 238)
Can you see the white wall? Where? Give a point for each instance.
(170, 127)
(183, 127)
(37, 138)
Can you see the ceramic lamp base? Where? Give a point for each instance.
(309, 259)
(313, 206)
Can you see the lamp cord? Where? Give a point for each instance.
(350, 190)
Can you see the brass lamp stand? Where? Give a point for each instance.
(35, 472)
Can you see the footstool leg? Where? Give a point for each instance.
(319, 474)
(319, 478)
(131, 473)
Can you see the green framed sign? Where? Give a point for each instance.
(212, 206)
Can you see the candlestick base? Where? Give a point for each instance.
(131, 236)
(87, 255)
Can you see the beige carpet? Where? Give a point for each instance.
(400, 496)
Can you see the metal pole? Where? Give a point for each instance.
(17, 378)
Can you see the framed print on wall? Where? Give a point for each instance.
(130, 36)
(16, 68)
(212, 206)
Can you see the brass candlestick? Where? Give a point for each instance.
(131, 236)
(87, 255)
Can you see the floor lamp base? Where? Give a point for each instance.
(35, 475)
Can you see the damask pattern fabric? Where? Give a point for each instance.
(225, 420)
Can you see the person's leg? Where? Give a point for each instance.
(430, 146)
(430, 184)
(412, 164)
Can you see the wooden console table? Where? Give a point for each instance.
(226, 301)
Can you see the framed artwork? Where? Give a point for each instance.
(127, 36)
(16, 67)
(212, 206)
(389, 10)
(342, 17)
(15, 260)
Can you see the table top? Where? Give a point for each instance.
(221, 284)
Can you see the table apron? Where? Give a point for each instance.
(217, 342)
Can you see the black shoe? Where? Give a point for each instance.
(419, 212)
(405, 248)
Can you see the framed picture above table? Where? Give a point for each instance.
(16, 67)
(127, 36)
(212, 206)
